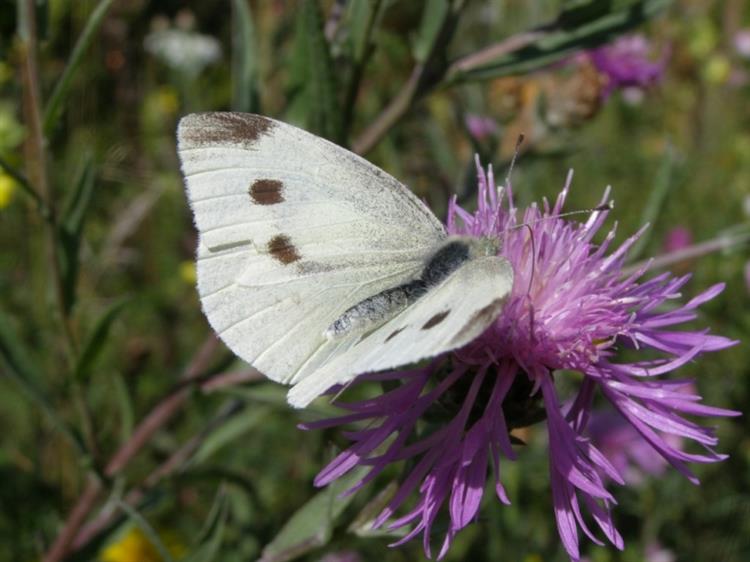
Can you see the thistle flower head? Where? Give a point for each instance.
(628, 62)
(572, 308)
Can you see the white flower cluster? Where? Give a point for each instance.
(185, 51)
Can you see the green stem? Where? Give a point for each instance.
(720, 243)
(26, 187)
(36, 158)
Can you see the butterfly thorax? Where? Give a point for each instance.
(373, 311)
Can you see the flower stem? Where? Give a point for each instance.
(722, 242)
(155, 420)
(36, 157)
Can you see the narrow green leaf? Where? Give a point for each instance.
(362, 523)
(62, 87)
(574, 12)
(78, 199)
(25, 186)
(72, 218)
(657, 197)
(584, 28)
(244, 59)
(361, 16)
(312, 525)
(434, 14)
(20, 367)
(212, 535)
(313, 80)
(233, 429)
(96, 340)
(140, 521)
(125, 405)
(15, 353)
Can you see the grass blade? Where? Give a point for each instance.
(62, 87)
(434, 14)
(244, 59)
(312, 78)
(212, 536)
(26, 188)
(312, 525)
(20, 367)
(97, 340)
(141, 522)
(657, 197)
(71, 229)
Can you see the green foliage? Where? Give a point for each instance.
(582, 25)
(244, 60)
(312, 525)
(70, 229)
(103, 376)
(313, 81)
(54, 107)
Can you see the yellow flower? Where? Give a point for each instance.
(187, 272)
(717, 69)
(167, 101)
(7, 188)
(134, 546)
(6, 72)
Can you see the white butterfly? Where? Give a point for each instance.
(316, 266)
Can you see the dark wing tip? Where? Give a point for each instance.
(218, 128)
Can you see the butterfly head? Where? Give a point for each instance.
(484, 246)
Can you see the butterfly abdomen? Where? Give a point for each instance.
(445, 261)
(373, 311)
(377, 309)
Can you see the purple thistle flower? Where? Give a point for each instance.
(632, 456)
(480, 127)
(678, 238)
(627, 62)
(571, 308)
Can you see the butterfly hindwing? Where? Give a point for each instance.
(449, 316)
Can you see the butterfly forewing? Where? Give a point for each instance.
(293, 231)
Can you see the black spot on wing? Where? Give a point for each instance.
(222, 128)
(394, 333)
(282, 249)
(482, 316)
(267, 192)
(435, 320)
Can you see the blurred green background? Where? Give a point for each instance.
(100, 325)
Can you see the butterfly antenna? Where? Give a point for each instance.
(519, 142)
(533, 259)
(598, 209)
(603, 207)
(608, 206)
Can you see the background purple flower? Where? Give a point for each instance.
(741, 41)
(571, 308)
(632, 456)
(629, 61)
(678, 238)
(480, 126)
